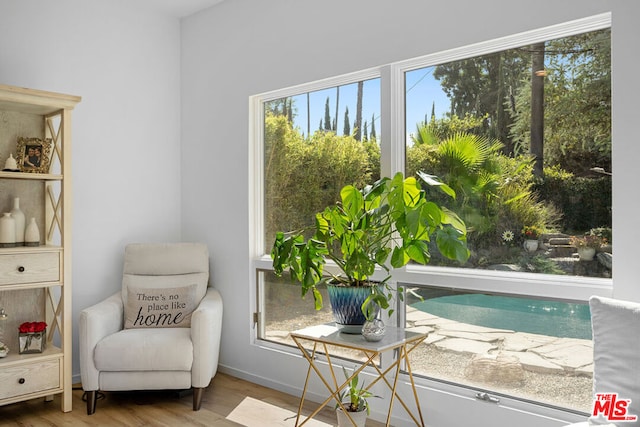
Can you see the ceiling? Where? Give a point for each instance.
(179, 8)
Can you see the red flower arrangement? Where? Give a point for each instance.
(531, 232)
(31, 327)
(32, 339)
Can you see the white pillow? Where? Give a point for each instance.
(160, 307)
(616, 353)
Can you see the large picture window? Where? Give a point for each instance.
(520, 128)
(523, 136)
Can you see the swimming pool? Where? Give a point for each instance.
(551, 318)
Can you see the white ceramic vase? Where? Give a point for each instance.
(10, 164)
(32, 234)
(586, 253)
(531, 245)
(360, 418)
(7, 231)
(18, 217)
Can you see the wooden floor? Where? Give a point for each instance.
(224, 394)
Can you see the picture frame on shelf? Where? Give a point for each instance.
(34, 154)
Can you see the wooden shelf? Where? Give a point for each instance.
(31, 176)
(36, 281)
(15, 358)
(33, 101)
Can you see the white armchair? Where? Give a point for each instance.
(161, 332)
(616, 359)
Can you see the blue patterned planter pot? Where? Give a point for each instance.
(346, 303)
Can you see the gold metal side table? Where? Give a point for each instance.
(322, 336)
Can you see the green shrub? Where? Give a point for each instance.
(309, 170)
(585, 202)
(494, 191)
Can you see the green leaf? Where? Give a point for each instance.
(416, 226)
(432, 213)
(418, 251)
(322, 224)
(411, 191)
(317, 298)
(433, 181)
(452, 244)
(451, 218)
(352, 201)
(399, 258)
(382, 254)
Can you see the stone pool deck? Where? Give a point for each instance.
(536, 353)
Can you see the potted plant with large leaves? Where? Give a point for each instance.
(383, 225)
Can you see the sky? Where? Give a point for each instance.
(423, 92)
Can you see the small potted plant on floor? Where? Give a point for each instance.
(383, 225)
(354, 400)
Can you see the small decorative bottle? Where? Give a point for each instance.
(18, 217)
(32, 234)
(7, 231)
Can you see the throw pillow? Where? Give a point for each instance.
(160, 307)
(616, 353)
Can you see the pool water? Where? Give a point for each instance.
(551, 318)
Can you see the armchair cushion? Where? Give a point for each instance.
(156, 349)
(160, 307)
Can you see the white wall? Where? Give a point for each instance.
(125, 63)
(245, 47)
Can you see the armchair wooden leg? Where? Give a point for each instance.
(197, 397)
(92, 398)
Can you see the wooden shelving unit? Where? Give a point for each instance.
(35, 282)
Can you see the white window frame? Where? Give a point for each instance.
(566, 288)
(557, 287)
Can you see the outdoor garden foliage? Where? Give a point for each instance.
(481, 149)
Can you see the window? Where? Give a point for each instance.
(526, 347)
(523, 135)
(315, 143)
(466, 116)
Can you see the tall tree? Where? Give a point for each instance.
(346, 130)
(479, 86)
(335, 117)
(308, 116)
(358, 123)
(577, 104)
(277, 107)
(538, 74)
(290, 109)
(327, 116)
(365, 132)
(373, 127)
